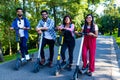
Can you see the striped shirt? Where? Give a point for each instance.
(50, 24)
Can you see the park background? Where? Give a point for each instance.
(106, 13)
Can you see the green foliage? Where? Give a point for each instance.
(110, 20)
(117, 38)
(57, 9)
(115, 35)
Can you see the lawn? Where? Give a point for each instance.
(115, 35)
(12, 57)
(117, 39)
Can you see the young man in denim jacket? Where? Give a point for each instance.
(21, 26)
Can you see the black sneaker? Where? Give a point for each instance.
(42, 62)
(69, 67)
(89, 73)
(49, 64)
(85, 70)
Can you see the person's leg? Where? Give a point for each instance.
(63, 49)
(84, 55)
(42, 51)
(25, 48)
(51, 49)
(71, 49)
(21, 47)
(92, 50)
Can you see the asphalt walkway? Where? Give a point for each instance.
(107, 65)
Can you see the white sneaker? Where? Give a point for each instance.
(27, 57)
(22, 59)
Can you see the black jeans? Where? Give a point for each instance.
(23, 46)
(51, 48)
(70, 44)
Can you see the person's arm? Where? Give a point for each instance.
(38, 27)
(70, 28)
(60, 27)
(77, 33)
(96, 32)
(93, 34)
(12, 25)
(11, 28)
(27, 27)
(50, 26)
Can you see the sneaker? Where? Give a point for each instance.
(63, 63)
(89, 73)
(42, 62)
(22, 59)
(69, 67)
(48, 59)
(80, 71)
(50, 64)
(27, 57)
(84, 70)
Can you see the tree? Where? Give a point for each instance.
(57, 9)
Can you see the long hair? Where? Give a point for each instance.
(92, 26)
(65, 18)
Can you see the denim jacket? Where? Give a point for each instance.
(26, 24)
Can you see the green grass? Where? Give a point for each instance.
(115, 35)
(117, 39)
(31, 51)
(12, 57)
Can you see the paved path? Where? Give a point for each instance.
(107, 67)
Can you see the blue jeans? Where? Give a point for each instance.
(23, 46)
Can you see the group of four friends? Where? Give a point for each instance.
(46, 26)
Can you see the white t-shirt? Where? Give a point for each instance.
(20, 24)
(96, 27)
(47, 34)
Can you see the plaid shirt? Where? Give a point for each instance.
(50, 25)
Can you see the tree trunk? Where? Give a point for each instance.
(24, 8)
(1, 55)
(54, 11)
(10, 49)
